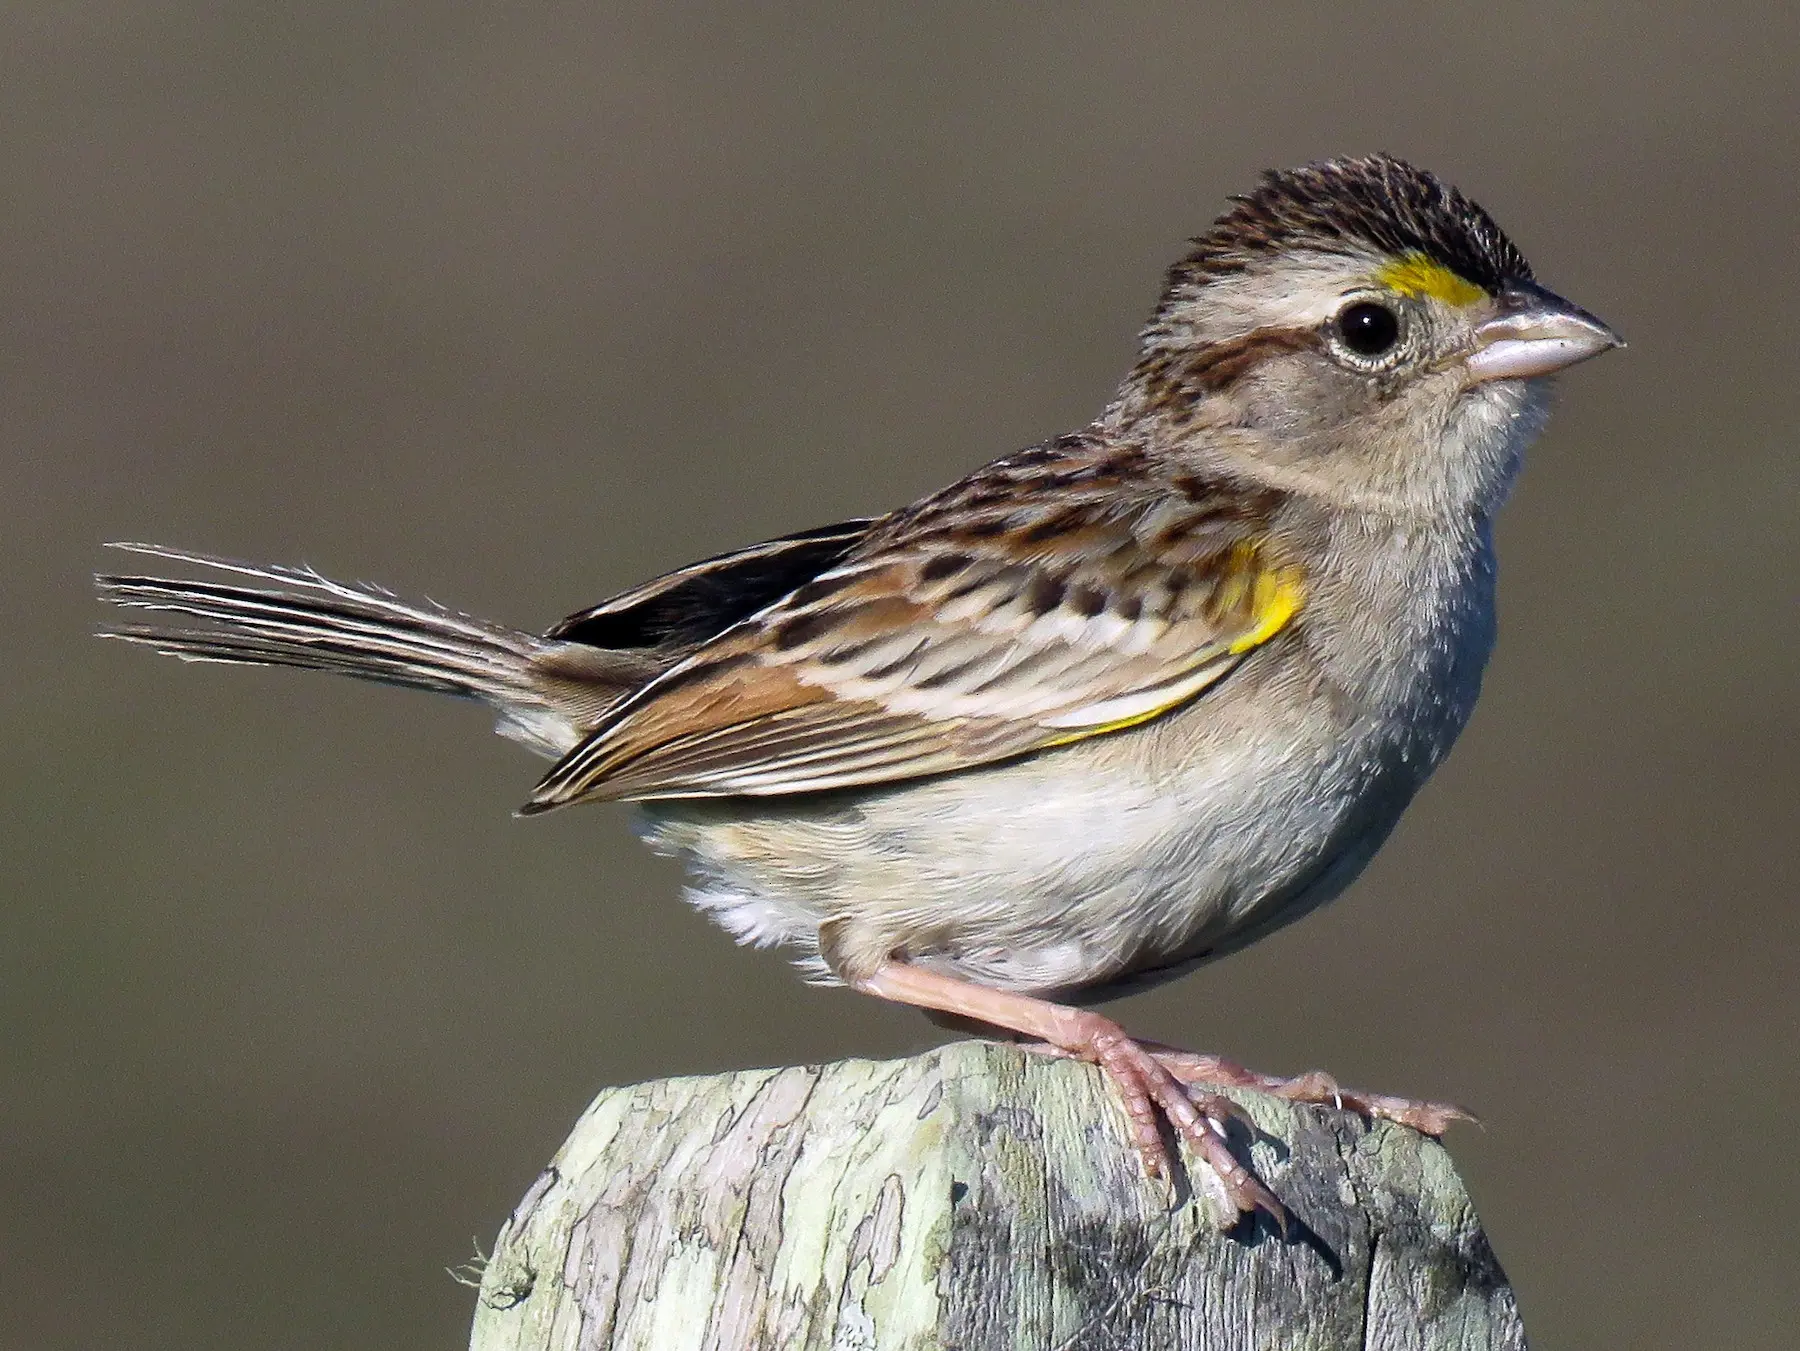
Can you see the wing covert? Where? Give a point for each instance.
(958, 634)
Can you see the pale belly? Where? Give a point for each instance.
(1111, 862)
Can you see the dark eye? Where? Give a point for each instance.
(1368, 329)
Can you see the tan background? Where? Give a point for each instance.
(517, 304)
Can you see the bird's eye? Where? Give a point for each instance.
(1368, 329)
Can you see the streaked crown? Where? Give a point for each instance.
(1370, 204)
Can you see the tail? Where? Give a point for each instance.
(546, 692)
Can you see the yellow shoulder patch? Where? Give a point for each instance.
(1261, 595)
(1264, 598)
(1417, 275)
(1275, 598)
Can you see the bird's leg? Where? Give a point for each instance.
(1143, 1082)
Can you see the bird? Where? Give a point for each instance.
(1104, 709)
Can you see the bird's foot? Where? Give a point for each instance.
(1210, 1072)
(1147, 1087)
(1149, 1090)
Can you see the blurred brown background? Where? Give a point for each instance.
(514, 305)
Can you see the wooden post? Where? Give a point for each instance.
(976, 1197)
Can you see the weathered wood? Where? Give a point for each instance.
(975, 1197)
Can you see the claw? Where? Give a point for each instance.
(1220, 1107)
(1245, 1192)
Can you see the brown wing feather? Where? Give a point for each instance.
(980, 625)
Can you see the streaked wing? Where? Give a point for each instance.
(982, 624)
(701, 600)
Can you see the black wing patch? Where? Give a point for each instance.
(693, 604)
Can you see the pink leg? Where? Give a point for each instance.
(1143, 1082)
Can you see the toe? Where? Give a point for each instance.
(1244, 1191)
(1429, 1118)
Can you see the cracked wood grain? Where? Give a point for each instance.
(976, 1198)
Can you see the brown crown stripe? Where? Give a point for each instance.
(1371, 204)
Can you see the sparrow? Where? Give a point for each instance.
(1101, 711)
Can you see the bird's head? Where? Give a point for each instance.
(1360, 329)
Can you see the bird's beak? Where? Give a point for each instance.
(1535, 332)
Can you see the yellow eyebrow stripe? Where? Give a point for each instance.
(1416, 275)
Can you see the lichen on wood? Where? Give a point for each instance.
(977, 1197)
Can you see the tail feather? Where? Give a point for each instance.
(307, 620)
